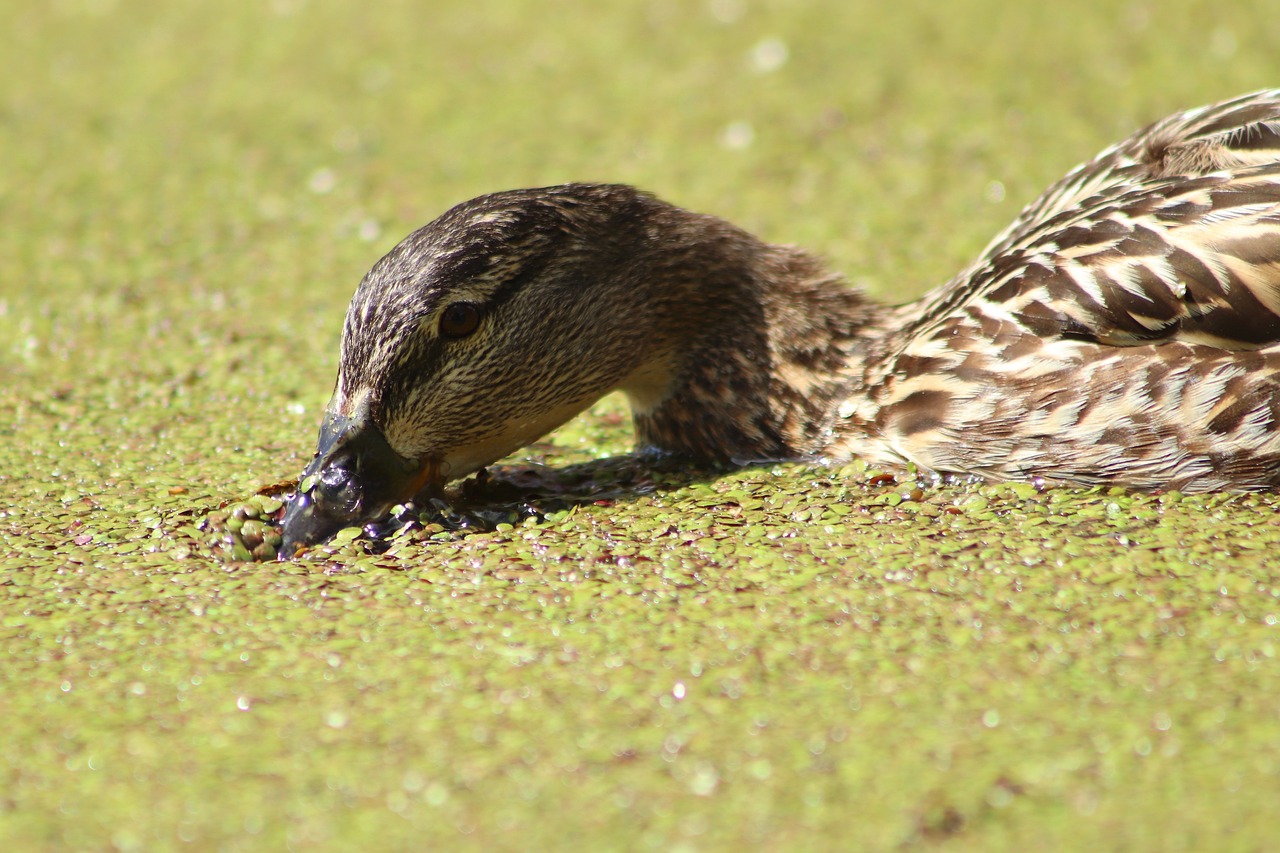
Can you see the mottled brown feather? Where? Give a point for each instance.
(1125, 328)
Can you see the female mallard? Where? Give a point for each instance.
(1124, 329)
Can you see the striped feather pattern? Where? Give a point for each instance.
(1124, 329)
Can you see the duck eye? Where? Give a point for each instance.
(459, 320)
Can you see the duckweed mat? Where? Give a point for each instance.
(587, 649)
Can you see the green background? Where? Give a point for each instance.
(189, 193)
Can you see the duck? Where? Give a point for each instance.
(1123, 330)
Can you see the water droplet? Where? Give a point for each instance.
(322, 181)
(727, 11)
(413, 781)
(705, 779)
(769, 55)
(738, 136)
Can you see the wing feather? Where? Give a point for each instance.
(1193, 259)
(1125, 328)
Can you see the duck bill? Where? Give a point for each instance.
(355, 477)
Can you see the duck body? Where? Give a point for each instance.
(1124, 329)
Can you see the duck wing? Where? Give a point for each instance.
(1189, 259)
(1241, 132)
(1125, 329)
(1174, 234)
(1133, 340)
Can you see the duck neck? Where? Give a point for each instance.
(752, 355)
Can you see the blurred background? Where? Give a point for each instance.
(194, 189)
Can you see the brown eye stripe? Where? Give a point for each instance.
(459, 320)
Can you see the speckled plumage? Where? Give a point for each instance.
(588, 288)
(1124, 329)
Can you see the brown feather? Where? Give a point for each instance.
(1124, 329)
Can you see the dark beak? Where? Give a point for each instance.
(354, 478)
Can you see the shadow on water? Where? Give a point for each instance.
(511, 494)
(249, 530)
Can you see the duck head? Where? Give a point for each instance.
(477, 334)
(513, 312)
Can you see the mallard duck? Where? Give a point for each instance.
(1125, 329)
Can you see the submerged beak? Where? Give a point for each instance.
(355, 477)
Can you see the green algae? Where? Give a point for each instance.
(786, 656)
